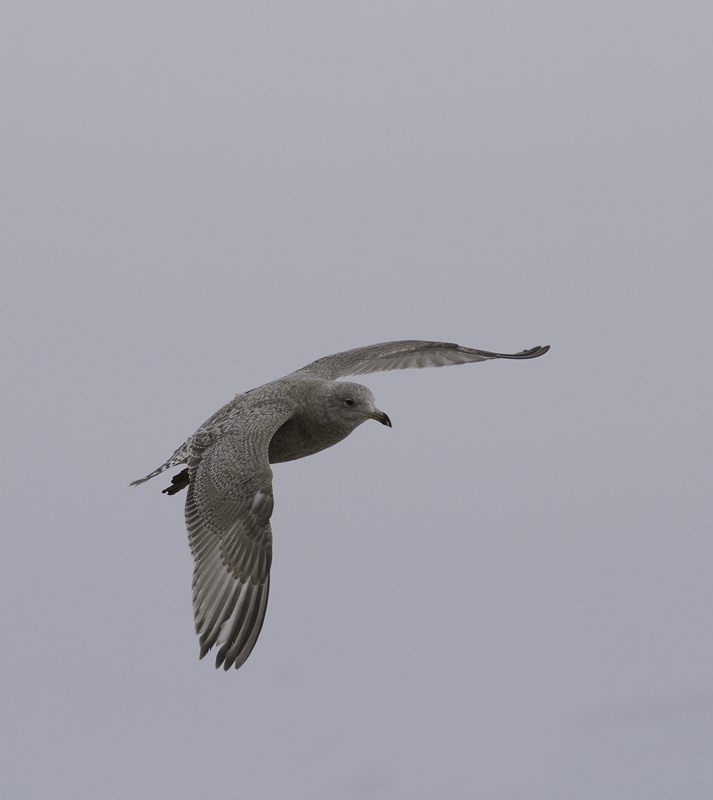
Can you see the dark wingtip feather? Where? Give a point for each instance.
(535, 352)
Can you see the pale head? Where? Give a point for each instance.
(351, 404)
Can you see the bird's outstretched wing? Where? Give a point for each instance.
(228, 511)
(405, 355)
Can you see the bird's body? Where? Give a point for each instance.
(229, 480)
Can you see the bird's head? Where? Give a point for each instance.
(351, 404)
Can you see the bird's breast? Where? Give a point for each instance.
(300, 437)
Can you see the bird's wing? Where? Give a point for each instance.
(405, 355)
(228, 510)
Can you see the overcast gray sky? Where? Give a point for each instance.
(508, 595)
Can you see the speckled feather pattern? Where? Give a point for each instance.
(229, 500)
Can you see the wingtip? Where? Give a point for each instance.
(534, 352)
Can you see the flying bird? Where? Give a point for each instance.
(229, 500)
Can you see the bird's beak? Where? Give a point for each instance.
(379, 416)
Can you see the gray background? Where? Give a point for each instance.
(507, 596)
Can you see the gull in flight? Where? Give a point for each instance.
(229, 500)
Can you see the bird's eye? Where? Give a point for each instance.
(349, 401)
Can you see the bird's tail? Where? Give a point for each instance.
(179, 457)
